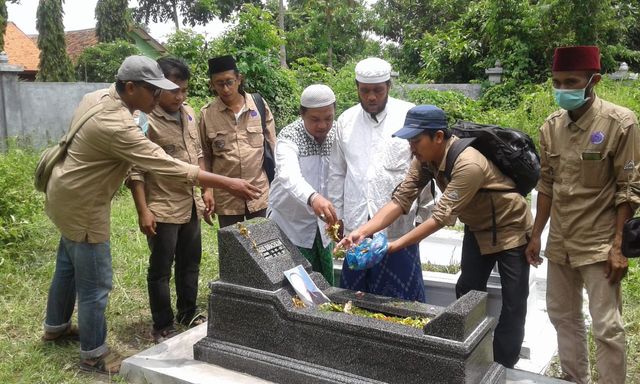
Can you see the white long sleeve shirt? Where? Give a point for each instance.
(367, 163)
(302, 167)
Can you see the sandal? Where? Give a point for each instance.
(197, 320)
(160, 335)
(107, 364)
(70, 334)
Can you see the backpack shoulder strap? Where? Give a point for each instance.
(257, 98)
(454, 151)
(66, 139)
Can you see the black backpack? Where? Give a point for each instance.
(512, 151)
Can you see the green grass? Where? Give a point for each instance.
(452, 268)
(26, 271)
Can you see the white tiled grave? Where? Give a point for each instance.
(171, 362)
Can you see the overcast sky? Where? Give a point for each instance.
(80, 14)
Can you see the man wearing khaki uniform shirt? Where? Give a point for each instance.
(78, 201)
(233, 141)
(476, 185)
(589, 186)
(169, 213)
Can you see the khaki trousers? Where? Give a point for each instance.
(564, 305)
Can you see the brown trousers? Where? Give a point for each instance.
(564, 305)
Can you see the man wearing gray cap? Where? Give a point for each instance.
(297, 201)
(78, 201)
(367, 163)
(497, 219)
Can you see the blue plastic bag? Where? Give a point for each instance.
(368, 252)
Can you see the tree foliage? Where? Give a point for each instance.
(337, 28)
(195, 50)
(113, 20)
(4, 17)
(255, 43)
(55, 64)
(192, 12)
(455, 41)
(100, 62)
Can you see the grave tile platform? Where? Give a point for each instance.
(171, 362)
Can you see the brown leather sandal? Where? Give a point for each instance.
(71, 334)
(107, 364)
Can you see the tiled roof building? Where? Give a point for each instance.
(21, 50)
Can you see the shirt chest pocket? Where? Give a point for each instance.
(220, 141)
(594, 172)
(255, 138)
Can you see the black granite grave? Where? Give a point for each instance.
(254, 326)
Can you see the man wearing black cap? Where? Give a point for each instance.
(233, 141)
(476, 193)
(589, 187)
(78, 201)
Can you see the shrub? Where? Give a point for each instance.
(309, 71)
(19, 201)
(455, 104)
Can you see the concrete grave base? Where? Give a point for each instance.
(171, 362)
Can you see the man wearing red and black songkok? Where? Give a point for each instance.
(589, 185)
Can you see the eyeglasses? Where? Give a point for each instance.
(226, 83)
(151, 88)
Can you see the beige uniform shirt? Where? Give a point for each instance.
(235, 149)
(171, 202)
(588, 168)
(462, 198)
(79, 193)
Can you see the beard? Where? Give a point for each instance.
(374, 110)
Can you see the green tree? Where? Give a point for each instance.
(113, 20)
(337, 28)
(3, 19)
(193, 12)
(255, 43)
(195, 50)
(405, 22)
(100, 62)
(55, 64)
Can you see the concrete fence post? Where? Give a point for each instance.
(10, 111)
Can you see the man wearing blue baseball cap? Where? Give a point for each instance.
(497, 219)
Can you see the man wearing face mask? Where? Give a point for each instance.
(366, 164)
(589, 187)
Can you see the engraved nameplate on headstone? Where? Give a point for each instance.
(272, 248)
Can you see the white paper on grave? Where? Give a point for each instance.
(306, 289)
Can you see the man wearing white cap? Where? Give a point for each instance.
(297, 201)
(78, 202)
(367, 163)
